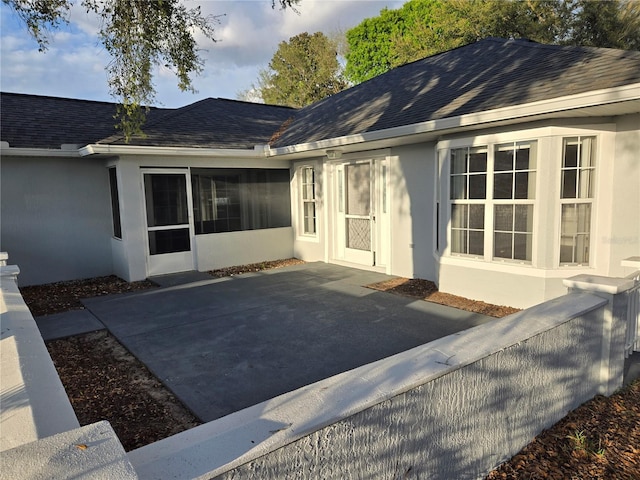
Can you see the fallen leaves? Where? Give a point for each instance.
(598, 440)
(105, 382)
(64, 296)
(426, 290)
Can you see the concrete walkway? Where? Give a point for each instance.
(225, 344)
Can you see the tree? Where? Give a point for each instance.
(139, 35)
(425, 27)
(613, 24)
(302, 71)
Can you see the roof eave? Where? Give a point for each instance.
(259, 151)
(514, 113)
(6, 150)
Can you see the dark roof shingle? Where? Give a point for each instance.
(32, 121)
(485, 75)
(213, 123)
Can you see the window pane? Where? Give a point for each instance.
(476, 217)
(459, 241)
(503, 218)
(523, 159)
(502, 245)
(309, 218)
(569, 183)
(115, 204)
(358, 189)
(522, 246)
(502, 185)
(503, 159)
(477, 186)
(458, 187)
(574, 233)
(523, 218)
(459, 216)
(169, 241)
(459, 161)
(525, 185)
(570, 153)
(476, 243)
(166, 199)
(587, 152)
(477, 160)
(585, 184)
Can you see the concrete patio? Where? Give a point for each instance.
(225, 344)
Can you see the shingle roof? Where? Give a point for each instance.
(213, 123)
(32, 121)
(485, 75)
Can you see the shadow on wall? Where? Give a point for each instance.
(459, 425)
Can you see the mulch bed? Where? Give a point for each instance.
(599, 440)
(105, 382)
(426, 290)
(254, 267)
(64, 296)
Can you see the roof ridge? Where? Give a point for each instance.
(252, 103)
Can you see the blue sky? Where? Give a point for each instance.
(248, 35)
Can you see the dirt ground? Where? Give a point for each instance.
(599, 440)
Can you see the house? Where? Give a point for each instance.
(496, 170)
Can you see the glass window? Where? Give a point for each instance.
(514, 189)
(115, 203)
(468, 184)
(308, 187)
(576, 198)
(229, 200)
(508, 200)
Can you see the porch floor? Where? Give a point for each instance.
(225, 344)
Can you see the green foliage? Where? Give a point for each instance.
(426, 27)
(612, 24)
(302, 71)
(139, 35)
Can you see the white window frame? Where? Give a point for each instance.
(578, 200)
(489, 142)
(304, 201)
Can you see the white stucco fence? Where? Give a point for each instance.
(453, 408)
(39, 431)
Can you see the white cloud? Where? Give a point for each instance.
(248, 36)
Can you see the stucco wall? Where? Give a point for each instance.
(624, 217)
(412, 210)
(219, 250)
(56, 218)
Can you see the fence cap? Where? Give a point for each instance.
(633, 262)
(597, 283)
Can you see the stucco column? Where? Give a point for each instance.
(614, 324)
